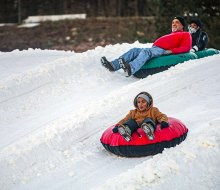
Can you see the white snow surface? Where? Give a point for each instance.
(55, 105)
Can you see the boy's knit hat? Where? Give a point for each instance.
(181, 19)
(144, 96)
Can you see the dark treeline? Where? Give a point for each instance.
(11, 10)
(161, 10)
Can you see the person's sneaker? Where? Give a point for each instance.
(149, 130)
(107, 64)
(125, 66)
(125, 132)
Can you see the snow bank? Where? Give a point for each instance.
(54, 106)
(43, 18)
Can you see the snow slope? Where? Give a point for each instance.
(55, 105)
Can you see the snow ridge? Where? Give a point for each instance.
(54, 110)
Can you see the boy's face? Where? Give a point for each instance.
(142, 104)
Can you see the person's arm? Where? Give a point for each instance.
(202, 42)
(185, 46)
(127, 117)
(159, 115)
(161, 118)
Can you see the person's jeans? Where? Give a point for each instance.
(137, 57)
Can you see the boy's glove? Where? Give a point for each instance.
(115, 129)
(164, 124)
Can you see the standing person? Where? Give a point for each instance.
(199, 37)
(178, 41)
(144, 115)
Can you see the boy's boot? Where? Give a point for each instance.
(127, 129)
(149, 127)
(125, 66)
(125, 132)
(107, 64)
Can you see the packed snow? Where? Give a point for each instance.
(55, 105)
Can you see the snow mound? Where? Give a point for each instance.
(54, 106)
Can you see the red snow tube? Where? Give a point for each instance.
(140, 145)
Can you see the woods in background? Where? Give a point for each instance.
(14, 11)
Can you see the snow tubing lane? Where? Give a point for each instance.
(140, 145)
(163, 63)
